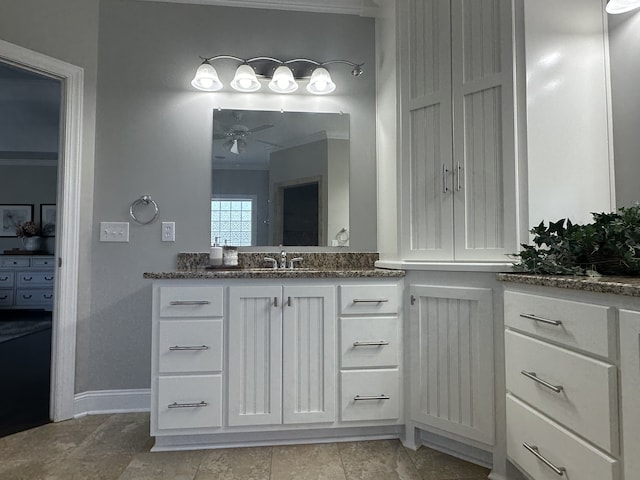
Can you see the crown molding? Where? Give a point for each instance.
(363, 8)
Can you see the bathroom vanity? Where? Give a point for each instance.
(257, 356)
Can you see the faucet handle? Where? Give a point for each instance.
(291, 262)
(272, 261)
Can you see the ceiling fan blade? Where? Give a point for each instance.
(261, 127)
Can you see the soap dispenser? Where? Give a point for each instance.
(215, 256)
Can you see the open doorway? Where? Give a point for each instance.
(30, 113)
(299, 212)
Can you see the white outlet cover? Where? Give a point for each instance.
(168, 231)
(114, 231)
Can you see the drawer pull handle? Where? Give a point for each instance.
(370, 300)
(48, 279)
(289, 302)
(27, 297)
(533, 449)
(48, 297)
(275, 301)
(4, 279)
(187, 405)
(27, 279)
(4, 297)
(371, 344)
(534, 377)
(535, 318)
(372, 397)
(188, 348)
(181, 303)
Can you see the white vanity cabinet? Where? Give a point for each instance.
(249, 361)
(564, 375)
(26, 281)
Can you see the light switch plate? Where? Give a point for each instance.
(114, 231)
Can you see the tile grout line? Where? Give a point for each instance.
(344, 470)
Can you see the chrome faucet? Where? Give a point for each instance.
(293, 261)
(272, 261)
(283, 259)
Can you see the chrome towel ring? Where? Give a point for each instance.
(144, 201)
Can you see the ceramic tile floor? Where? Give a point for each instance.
(116, 447)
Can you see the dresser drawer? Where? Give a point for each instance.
(26, 298)
(6, 279)
(43, 262)
(587, 402)
(14, 262)
(35, 279)
(190, 402)
(6, 298)
(191, 301)
(368, 299)
(369, 342)
(583, 326)
(559, 446)
(370, 395)
(190, 346)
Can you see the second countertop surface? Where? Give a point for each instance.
(266, 273)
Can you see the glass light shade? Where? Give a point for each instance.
(206, 78)
(321, 83)
(283, 81)
(622, 6)
(245, 79)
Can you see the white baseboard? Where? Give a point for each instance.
(111, 401)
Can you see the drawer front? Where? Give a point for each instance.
(191, 301)
(6, 298)
(6, 279)
(190, 402)
(35, 279)
(559, 446)
(359, 299)
(190, 346)
(360, 386)
(369, 342)
(43, 262)
(25, 298)
(14, 262)
(587, 402)
(582, 326)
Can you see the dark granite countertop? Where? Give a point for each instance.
(606, 284)
(264, 273)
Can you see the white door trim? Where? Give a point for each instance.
(63, 358)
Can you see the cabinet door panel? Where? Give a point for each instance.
(309, 316)
(451, 360)
(630, 381)
(255, 358)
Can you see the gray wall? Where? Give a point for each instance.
(154, 137)
(247, 182)
(624, 45)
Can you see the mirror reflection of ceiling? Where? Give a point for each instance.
(29, 114)
(258, 134)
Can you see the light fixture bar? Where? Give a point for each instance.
(284, 74)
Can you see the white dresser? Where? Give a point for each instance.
(258, 361)
(26, 281)
(572, 392)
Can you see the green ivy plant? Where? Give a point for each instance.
(610, 245)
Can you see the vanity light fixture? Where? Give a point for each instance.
(622, 6)
(285, 75)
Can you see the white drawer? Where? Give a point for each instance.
(191, 301)
(587, 403)
(6, 279)
(35, 279)
(374, 298)
(561, 447)
(359, 389)
(369, 342)
(43, 262)
(583, 326)
(190, 402)
(6, 298)
(14, 261)
(25, 298)
(190, 346)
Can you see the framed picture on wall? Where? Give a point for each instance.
(48, 219)
(13, 215)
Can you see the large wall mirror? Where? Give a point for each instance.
(280, 178)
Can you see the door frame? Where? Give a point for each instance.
(65, 310)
